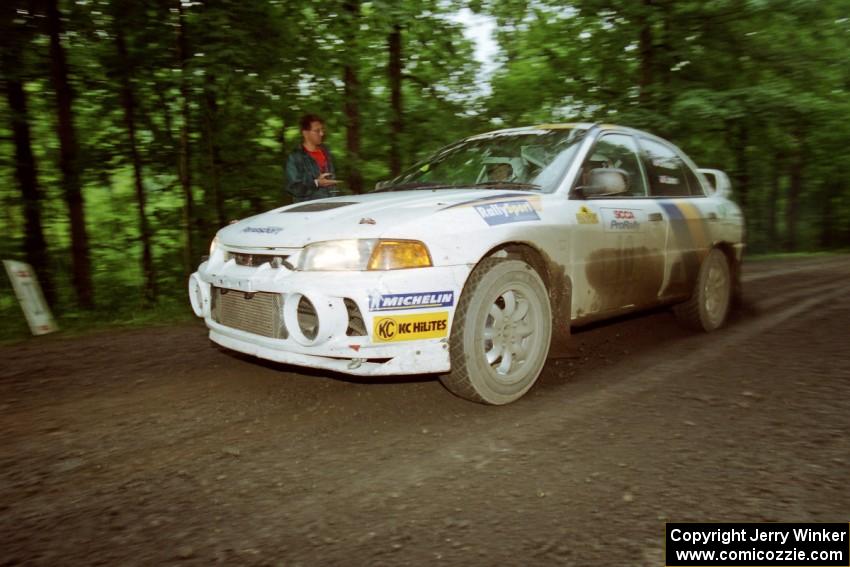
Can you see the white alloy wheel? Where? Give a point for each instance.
(708, 307)
(501, 333)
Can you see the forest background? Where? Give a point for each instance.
(131, 130)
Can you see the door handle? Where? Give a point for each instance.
(712, 216)
(655, 217)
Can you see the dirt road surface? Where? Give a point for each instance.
(152, 446)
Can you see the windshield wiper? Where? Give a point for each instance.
(415, 185)
(507, 185)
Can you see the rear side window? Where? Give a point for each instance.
(669, 175)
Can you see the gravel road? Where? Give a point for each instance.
(151, 446)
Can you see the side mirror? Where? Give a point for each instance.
(606, 181)
(381, 184)
(718, 181)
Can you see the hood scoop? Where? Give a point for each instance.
(318, 207)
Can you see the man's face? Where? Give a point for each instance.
(315, 134)
(500, 172)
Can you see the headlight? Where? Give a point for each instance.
(364, 254)
(336, 255)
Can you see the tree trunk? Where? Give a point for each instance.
(795, 189)
(741, 139)
(68, 154)
(213, 152)
(773, 201)
(128, 102)
(647, 59)
(396, 123)
(184, 168)
(352, 97)
(827, 218)
(35, 246)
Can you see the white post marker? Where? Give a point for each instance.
(29, 294)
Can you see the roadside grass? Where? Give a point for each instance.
(792, 255)
(167, 312)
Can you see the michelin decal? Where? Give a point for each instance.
(399, 301)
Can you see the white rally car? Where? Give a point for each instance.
(476, 262)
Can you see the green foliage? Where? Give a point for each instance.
(756, 88)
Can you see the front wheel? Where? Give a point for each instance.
(501, 333)
(708, 306)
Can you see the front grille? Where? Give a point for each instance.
(255, 260)
(259, 312)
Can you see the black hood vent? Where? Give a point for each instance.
(318, 207)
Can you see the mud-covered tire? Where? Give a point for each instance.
(501, 333)
(709, 304)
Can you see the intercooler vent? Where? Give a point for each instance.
(260, 312)
(356, 325)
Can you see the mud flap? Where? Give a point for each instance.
(560, 346)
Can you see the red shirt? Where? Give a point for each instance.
(320, 158)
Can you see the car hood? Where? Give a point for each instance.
(373, 215)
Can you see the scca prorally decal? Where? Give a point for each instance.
(620, 220)
(410, 327)
(262, 229)
(507, 211)
(399, 301)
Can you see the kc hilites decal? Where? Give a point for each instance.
(399, 301)
(620, 220)
(507, 211)
(410, 327)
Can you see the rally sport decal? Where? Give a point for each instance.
(507, 211)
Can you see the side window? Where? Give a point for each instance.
(669, 175)
(693, 182)
(619, 151)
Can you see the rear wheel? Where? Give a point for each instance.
(501, 333)
(708, 307)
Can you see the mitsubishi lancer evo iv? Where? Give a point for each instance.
(475, 263)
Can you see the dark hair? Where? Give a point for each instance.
(308, 119)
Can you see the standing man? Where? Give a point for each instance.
(310, 168)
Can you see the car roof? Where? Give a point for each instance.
(566, 126)
(538, 127)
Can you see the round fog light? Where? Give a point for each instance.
(198, 294)
(308, 319)
(312, 321)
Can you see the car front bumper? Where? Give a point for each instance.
(403, 335)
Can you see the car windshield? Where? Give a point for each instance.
(534, 159)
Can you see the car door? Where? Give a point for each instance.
(619, 244)
(682, 201)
